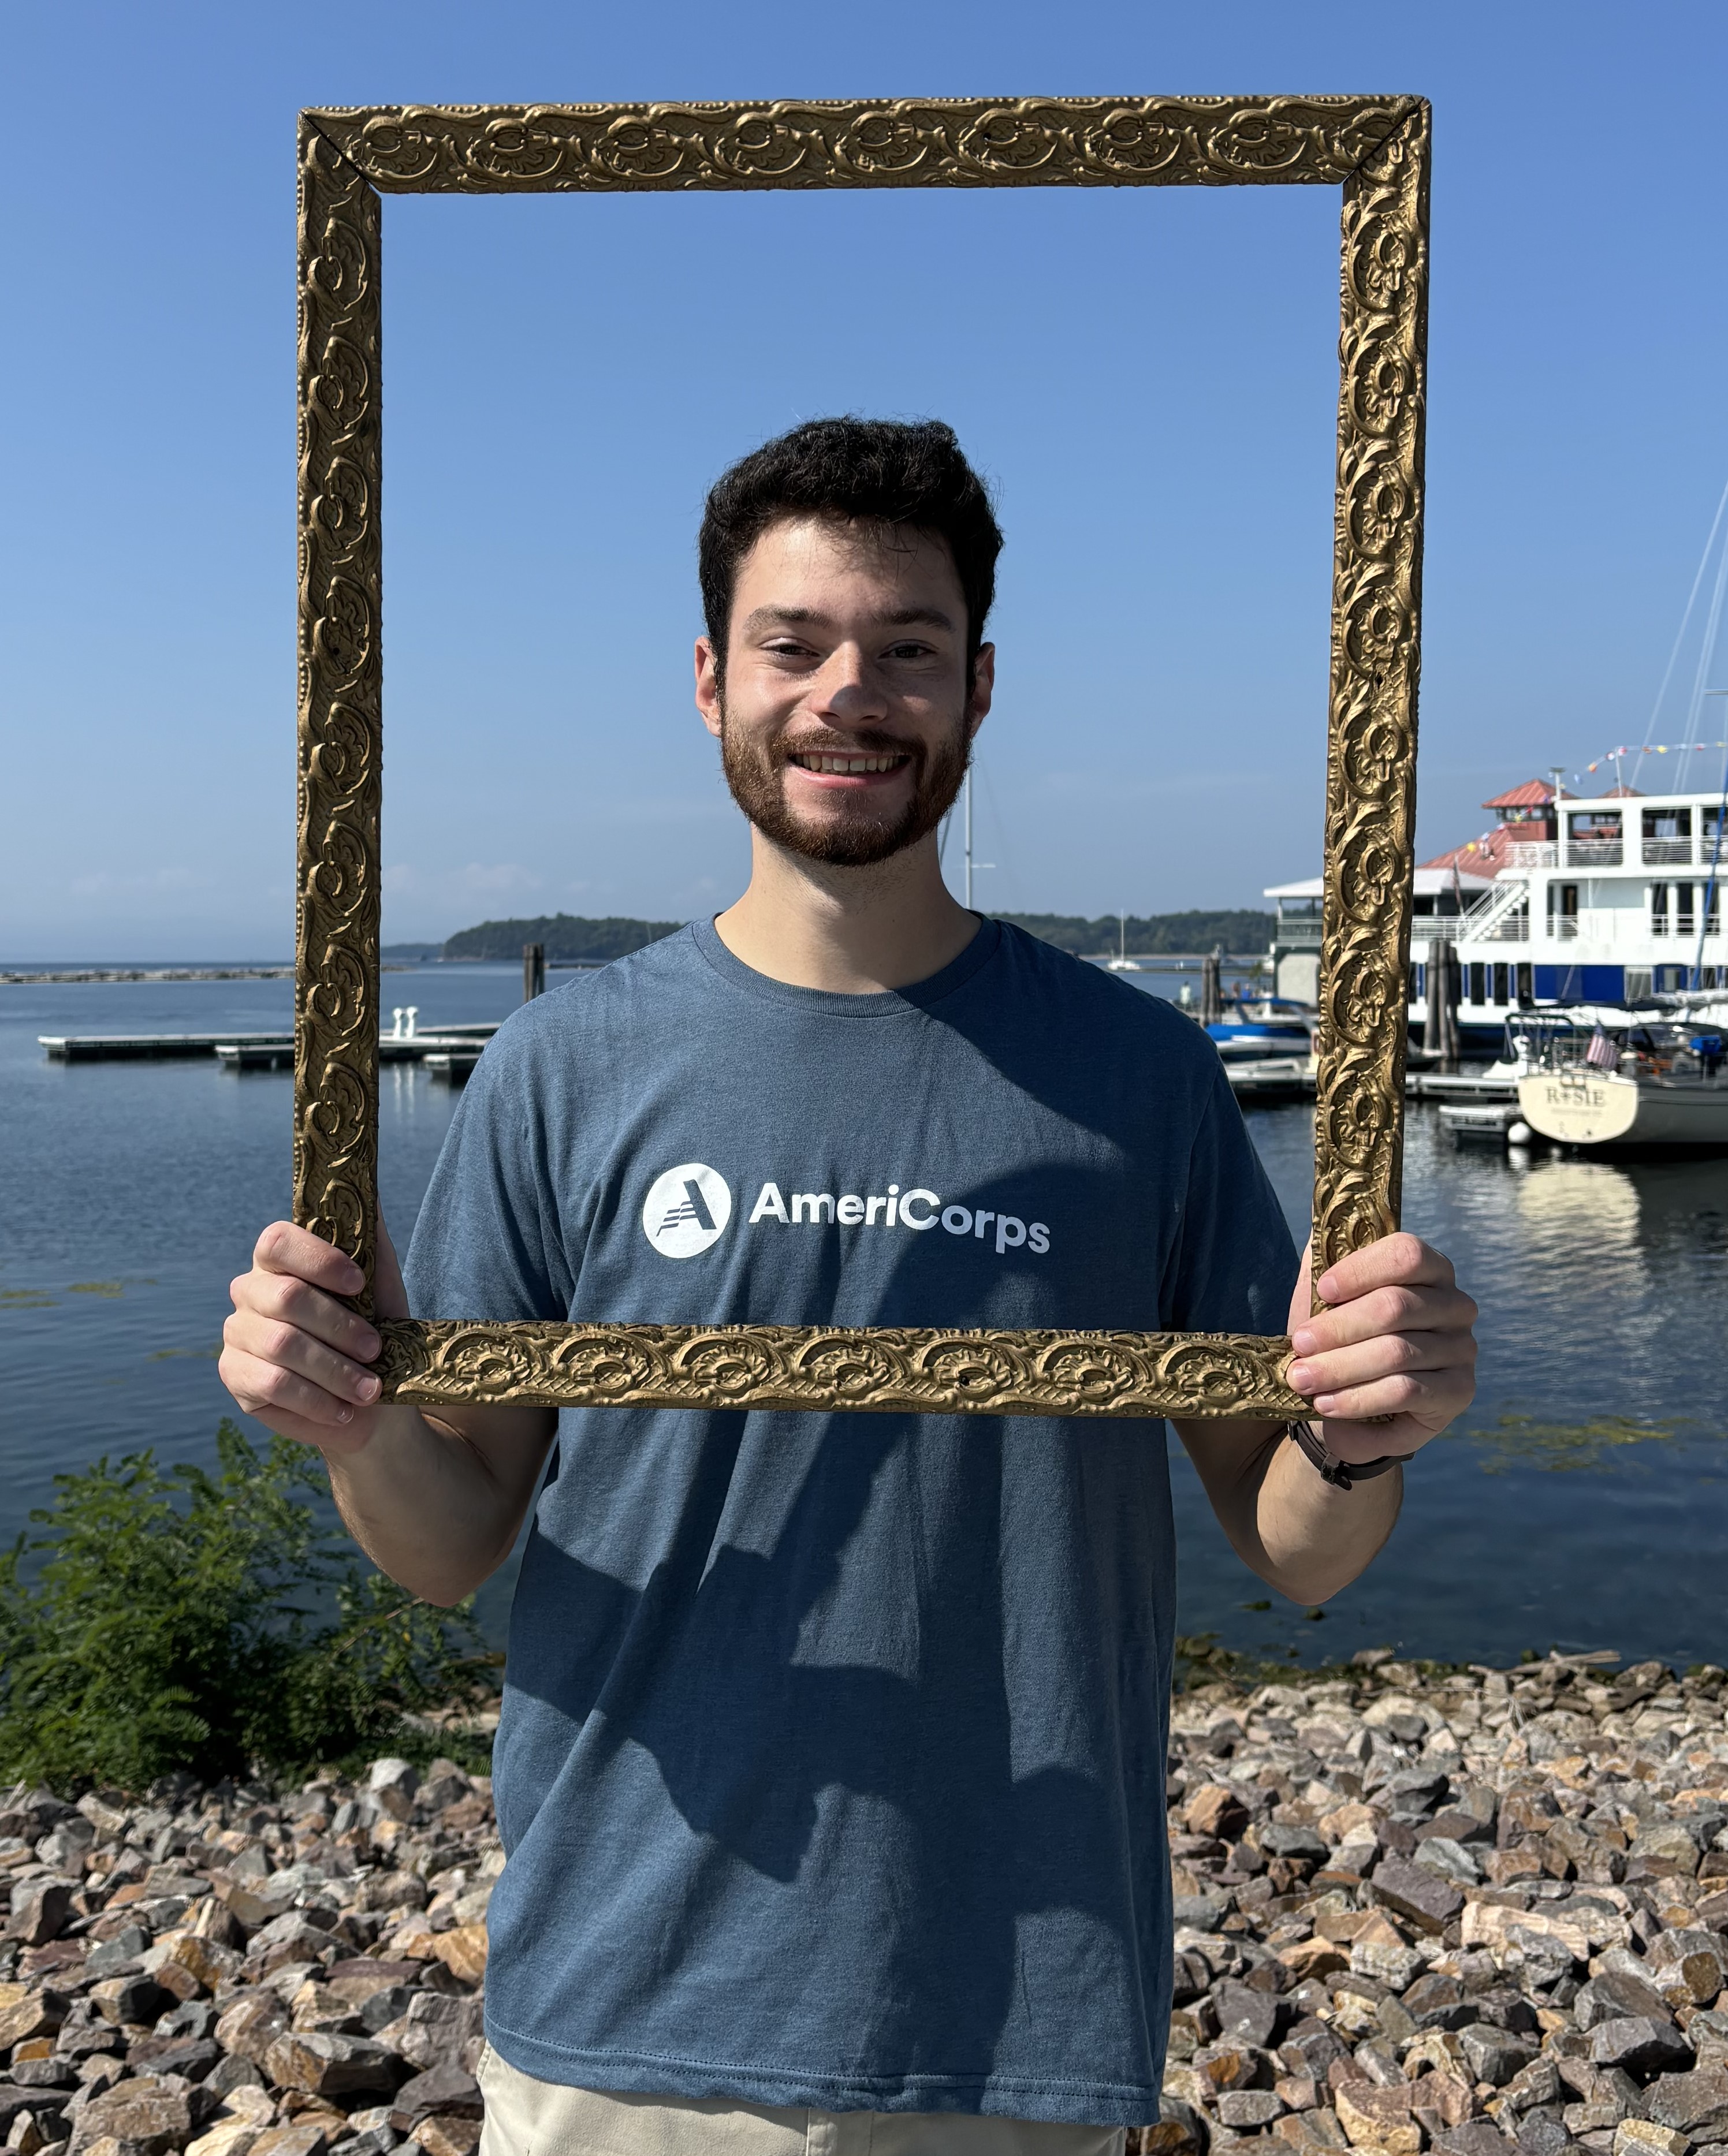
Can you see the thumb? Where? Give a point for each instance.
(1301, 1294)
(389, 1296)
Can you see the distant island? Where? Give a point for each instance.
(569, 939)
(567, 936)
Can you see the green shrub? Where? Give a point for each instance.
(178, 1619)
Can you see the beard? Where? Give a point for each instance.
(860, 836)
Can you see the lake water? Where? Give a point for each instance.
(1583, 1503)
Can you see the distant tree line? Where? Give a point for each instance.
(565, 936)
(569, 935)
(1239, 930)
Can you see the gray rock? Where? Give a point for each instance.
(1476, 2136)
(384, 2007)
(1694, 2104)
(1416, 1893)
(1639, 2044)
(1277, 1839)
(1495, 2055)
(1613, 1995)
(1203, 1912)
(114, 1957)
(1457, 1824)
(1243, 2109)
(1414, 1793)
(1542, 2132)
(41, 1910)
(1256, 2017)
(447, 2089)
(50, 2073)
(1439, 1853)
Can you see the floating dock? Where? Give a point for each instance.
(150, 1047)
(1458, 1086)
(1272, 1078)
(254, 1051)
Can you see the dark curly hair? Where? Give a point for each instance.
(879, 471)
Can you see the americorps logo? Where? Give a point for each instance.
(685, 1210)
(688, 1209)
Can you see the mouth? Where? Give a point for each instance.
(863, 764)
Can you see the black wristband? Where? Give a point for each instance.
(1341, 1474)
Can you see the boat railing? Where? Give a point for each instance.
(1668, 853)
(1532, 854)
(1594, 852)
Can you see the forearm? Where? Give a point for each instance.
(430, 1507)
(1293, 1529)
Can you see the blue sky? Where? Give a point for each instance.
(1148, 377)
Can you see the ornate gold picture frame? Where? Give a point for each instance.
(1376, 149)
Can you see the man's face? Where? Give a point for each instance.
(845, 719)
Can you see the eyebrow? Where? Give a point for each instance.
(761, 618)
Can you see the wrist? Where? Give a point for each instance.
(1309, 1438)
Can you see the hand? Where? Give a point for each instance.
(292, 1355)
(1394, 1340)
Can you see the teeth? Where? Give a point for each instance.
(848, 766)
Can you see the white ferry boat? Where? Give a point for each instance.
(1604, 899)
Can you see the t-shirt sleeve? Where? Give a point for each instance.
(1232, 1263)
(487, 1243)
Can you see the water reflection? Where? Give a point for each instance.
(1583, 1501)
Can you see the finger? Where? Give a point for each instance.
(1434, 1399)
(285, 1347)
(303, 1431)
(1394, 1260)
(283, 1248)
(1433, 1357)
(280, 1298)
(283, 1399)
(1386, 1310)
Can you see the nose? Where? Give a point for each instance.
(847, 691)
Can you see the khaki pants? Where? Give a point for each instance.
(529, 2117)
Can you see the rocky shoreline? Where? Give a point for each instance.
(244, 1972)
(1479, 1911)
(1470, 1911)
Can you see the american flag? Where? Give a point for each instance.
(1602, 1055)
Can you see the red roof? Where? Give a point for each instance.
(1534, 793)
(1485, 856)
(1620, 794)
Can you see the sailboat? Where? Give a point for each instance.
(1122, 963)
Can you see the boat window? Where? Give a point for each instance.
(1478, 982)
(1659, 909)
(1682, 909)
(1594, 824)
(1667, 823)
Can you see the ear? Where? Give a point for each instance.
(707, 686)
(984, 684)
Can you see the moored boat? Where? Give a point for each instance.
(1627, 1079)
(1255, 1026)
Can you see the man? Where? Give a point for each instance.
(831, 1766)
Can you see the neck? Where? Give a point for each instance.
(852, 932)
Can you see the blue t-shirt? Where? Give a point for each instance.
(832, 1768)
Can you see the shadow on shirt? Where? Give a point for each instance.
(701, 1670)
